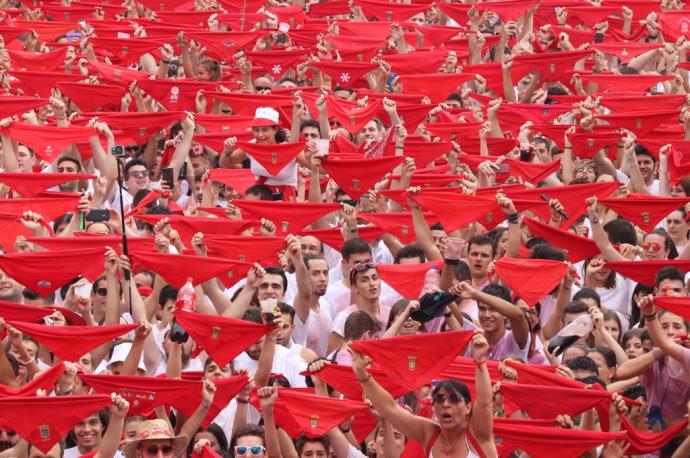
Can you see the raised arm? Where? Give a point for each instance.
(111, 437)
(658, 335)
(599, 235)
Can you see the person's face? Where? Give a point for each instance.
(368, 285)
(572, 353)
(672, 324)
(355, 258)
(271, 287)
(379, 442)
(612, 327)
(254, 350)
(214, 371)
(9, 288)
(167, 312)
(199, 164)
(479, 257)
(489, 319)
(25, 159)
(7, 438)
(310, 245)
(438, 235)
(531, 314)
(676, 226)
(410, 327)
(31, 349)
(653, 247)
(251, 441)
(285, 332)
(503, 243)
(310, 133)
(68, 167)
(450, 414)
(142, 279)
(370, 131)
(541, 150)
(129, 431)
(646, 166)
(677, 191)
(341, 94)
(212, 441)
(418, 19)
(670, 287)
(99, 295)
(569, 318)
(54, 452)
(155, 448)
(586, 172)
(605, 373)
(601, 276)
(314, 450)
(453, 103)
(263, 84)
(88, 432)
(633, 347)
(202, 73)
(264, 134)
(318, 274)
(137, 179)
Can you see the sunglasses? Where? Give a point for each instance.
(361, 267)
(453, 398)
(255, 450)
(652, 246)
(101, 291)
(165, 449)
(139, 174)
(350, 202)
(262, 88)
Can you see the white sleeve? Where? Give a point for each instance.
(339, 323)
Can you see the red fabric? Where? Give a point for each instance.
(51, 207)
(273, 157)
(32, 184)
(216, 141)
(12, 311)
(140, 126)
(645, 271)
(617, 82)
(115, 74)
(48, 141)
(43, 381)
(222, 123)
(223, 45)
(412, 115)
(541, 441)
(555, 132)
(187, 226)
(347, 173)
(43, 421)
(436, 35)
(349, 114)
(554, 400)
(206, 452)
(643, 209)
(90, 97)
(436, 86)
(316, 415)
(47, 31)
(653, 145)
(353, 48)
(621, 103)
(125, 50)
(587, 144)
(415, 359)
(531, 172)
(674, 24)
(334, 237)
(45, 61)
(237, 179)
(11, 33)
(678, 165)
(222, 338)
(398, 224)
(535, 112)
(458, 210)
(556, 67)
(226, 390)
(530, 279)
(572, 197)
(508, 10)
(289, 217)
(69, 343)
(344, 381)
(591, 16)
(625, 51)
(46, 271)
(577, 248)
(11, 105)
(640, 122)
(246, 249)
(384, 11)
(246, 104)
(407, 279)
(677, 305)
(453, 130)
(642, 442)
(176, 268)
(530, 374)
(175, 95)
(463, 370)
(425, 152)
(277, 62)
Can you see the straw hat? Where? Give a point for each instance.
(155, 430)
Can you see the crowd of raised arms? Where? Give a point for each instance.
(344, 229)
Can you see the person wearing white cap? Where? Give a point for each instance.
(119, 356)
(266, 130)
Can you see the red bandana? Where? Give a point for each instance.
(226, 389)
(643, 209)
(535, 112)
(425, 152)
(436, 86)
(577, 248)
(246, 249)
(349, 114)
(643, 442)
(359, 49)
(555, 68)
(223, 123)
(347, 173)
(47, 271)
(47, 31)
(223, 45)
(459, 210)
(175, 95)
(411, 114)
(176, 268)
(530, 374)
(625, 51)
(530, 279)
(640, 122)
(140, 126)
(621, 103)
(69, 343)
(334, 237)
(415, 359)
(45, 62)
(343, 379)
(645, 271)
(43, 421)
(677, 305)
(222, 338)
(11, 105)
(555, 132)
(125, 51)
(43, 381)
(273, 157)
(384, 11)
(289, 217)
(531, 172)
(587, 144)
(397, 224)
(187, 226)
(48, 141)
(406, 279)
(115, 74)
(33, 184)
(237, 179)
(617, 83)
(508, 10)
(277, 62)
(206, 452)
(591, 16)
(246, 104)
(91, 97)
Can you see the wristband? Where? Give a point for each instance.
(242, 401)
(346, 430)
(451, 262)
(481, 363)
(651, 316)
(166, 62)
(513, 218)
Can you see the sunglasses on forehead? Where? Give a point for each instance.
(360, 267)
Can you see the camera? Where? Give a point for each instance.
(117, 150)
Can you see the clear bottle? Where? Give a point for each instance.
(432, 280)
(186, 301)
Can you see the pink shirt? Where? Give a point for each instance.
(668, 385)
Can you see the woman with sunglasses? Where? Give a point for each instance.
(462, 428)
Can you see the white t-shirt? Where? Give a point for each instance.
(314, 333)
(283, 363)
(286, 177)
(339, 322)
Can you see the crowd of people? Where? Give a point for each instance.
(266, 228)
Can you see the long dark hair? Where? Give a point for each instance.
(453, 385)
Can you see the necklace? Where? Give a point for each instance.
(449, 449)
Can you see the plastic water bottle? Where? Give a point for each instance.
(570, 334)
(432, 280)
(186, 301)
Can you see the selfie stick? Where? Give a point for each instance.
(125, 251)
